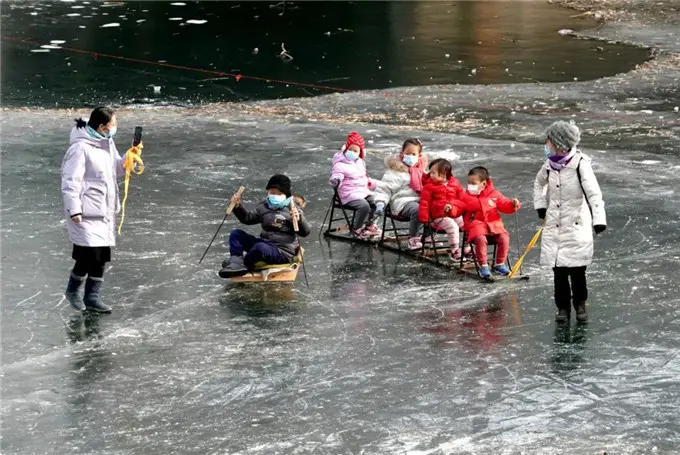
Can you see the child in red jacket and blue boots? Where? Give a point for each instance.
(482, 203)
(440, 190)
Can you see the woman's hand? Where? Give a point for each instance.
(447, 208)
(516, 204)
(77, 218)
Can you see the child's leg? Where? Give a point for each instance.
(371, 204)
(502, 247)
(410, 211)
(579, 287)
(481, 244)
(362, 209)
(459, 221)
(562, 288)
(240, 241)
(264, 252)
(451, 228)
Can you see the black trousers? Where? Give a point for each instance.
(565, 293)
(90, 260)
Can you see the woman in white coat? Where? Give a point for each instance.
(572, 207)
(89, 188)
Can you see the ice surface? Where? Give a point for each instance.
(379, 355)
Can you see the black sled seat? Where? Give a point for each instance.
(490, 252)
(400, 233)
(337, 213)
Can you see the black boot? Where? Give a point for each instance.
(563, 315)
(581, 312)
(72, 294)
(93, 287)
(235, 267)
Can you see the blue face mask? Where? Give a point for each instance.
(277, 201)
(410, 160)
(352, 156)
(546, 151)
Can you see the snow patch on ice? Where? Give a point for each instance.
(109, 25)
(197, 21)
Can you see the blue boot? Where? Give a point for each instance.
(72, 294)
(93, 287)
(502, 269)
(485, 271)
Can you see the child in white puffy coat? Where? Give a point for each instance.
(401, 185)
(572, 208)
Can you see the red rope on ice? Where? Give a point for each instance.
(238, 77)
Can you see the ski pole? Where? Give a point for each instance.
(229, 210)
(531, 244)
(294, 214)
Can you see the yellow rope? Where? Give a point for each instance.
(531, 244)
(133, 164)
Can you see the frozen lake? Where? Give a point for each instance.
(379, 355)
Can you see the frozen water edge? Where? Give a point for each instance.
(380, 354)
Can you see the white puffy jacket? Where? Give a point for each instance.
(568, 233)
(395, 186)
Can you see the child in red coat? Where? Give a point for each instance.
(440, 190)
(481, 203)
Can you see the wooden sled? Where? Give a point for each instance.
(272, 273)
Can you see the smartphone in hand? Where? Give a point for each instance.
(138, 136)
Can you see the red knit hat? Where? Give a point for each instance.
(355, 138)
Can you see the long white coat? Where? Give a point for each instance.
(89, 185)
(568, 233)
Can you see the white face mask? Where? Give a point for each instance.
(473, 189)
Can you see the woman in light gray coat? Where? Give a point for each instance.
(89, 188)
(572, 207)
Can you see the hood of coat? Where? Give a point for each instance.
(394, 163)
(340, 157)
(80, 135)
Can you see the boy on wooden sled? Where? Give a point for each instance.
(278, 243)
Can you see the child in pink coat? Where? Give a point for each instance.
(350, 180)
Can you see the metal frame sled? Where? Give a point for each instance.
(272, 273)
(343, 232)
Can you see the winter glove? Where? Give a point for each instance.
(541, 213)
(599, 228)
(335, 182)
(380, 209)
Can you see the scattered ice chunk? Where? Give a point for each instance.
(50, 46)
(81, 26)
(676, 108)
(73, 14)
(40, 50)
(197, 21)
(473, 71)
(139, 21)
(565, 31)
(57, 41)
(33, 13)
(447, 55)
(178, 4)
(647, 111)
(111, 24)
(327, 33)
(175, 19)
(256, 51)
(77, 7)
(156, 89)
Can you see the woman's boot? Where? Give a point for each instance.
(73, 288)
(93, 287)
(581, 312)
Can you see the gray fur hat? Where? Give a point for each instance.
(563, 135)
